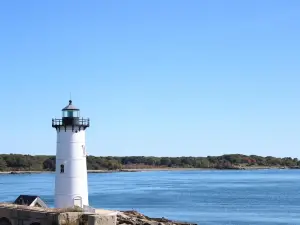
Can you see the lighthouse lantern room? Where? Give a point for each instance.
(71, 185)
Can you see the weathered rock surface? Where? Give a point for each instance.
(13, 212)
(136, 218)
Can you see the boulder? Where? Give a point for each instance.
(136, 218)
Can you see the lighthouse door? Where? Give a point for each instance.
(78, 201)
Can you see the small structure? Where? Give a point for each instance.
(30, 200)
(71, 185)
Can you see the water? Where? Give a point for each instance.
(264, 197)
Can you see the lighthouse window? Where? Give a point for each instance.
(83, 149)
(62, 168)
(70, 113)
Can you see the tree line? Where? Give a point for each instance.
(19, 162)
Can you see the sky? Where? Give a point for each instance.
(156, 78)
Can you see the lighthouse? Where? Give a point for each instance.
(71, 184)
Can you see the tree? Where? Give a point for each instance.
(151, 161)
(228, 161)
(165, 161)
(49, 164)
(3, 164)
(204, 163)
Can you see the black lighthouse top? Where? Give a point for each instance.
(70, 118)
(70, 110)
(70, 107)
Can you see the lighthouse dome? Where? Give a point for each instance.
(70, 107)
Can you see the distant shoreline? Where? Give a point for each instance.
(109, 164)
(153, 169)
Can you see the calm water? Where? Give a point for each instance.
(262, 197)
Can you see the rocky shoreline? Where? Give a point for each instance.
(136, 218)
(130, 217)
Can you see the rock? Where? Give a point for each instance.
(147, 223)
(135, 218)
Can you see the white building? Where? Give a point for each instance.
(71, 185)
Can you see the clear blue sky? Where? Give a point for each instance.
(163, 78)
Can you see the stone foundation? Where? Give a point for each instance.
(11, 214)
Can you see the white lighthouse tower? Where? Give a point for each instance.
(71, 185)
